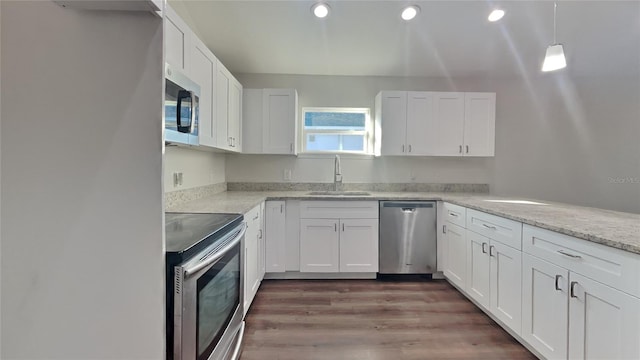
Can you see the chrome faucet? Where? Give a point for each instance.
(337, 174)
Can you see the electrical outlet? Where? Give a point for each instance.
(287, 174)
(412, 175)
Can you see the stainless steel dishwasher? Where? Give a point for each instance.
(407, 237)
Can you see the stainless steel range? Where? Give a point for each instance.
(204, 286)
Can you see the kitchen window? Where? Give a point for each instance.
(337, 130)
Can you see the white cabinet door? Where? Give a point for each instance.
(479, 124)
(177, 37)
(478, 269)
(545, 307)
(235, 115)
(456, 255)
(394, 122)
(358, 245)
(251, 281)
(203, 72)
(252, 121)
(319, 245)
(448, 112)
(261, 244)
(604, 323)
(506, 285)
(280, 121)
(422, 130)
(275, 228)
(223, 91)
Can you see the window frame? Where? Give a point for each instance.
(367, 132)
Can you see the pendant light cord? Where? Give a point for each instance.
(555, 7)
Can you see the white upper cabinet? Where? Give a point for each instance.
(228, 110)
(448, 109)
(270, 121)
(203, 72)
(423, 123)
(393, 106)
(177, 35)
(479, 124)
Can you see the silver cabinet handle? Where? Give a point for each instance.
(453, 214)
(489, 227)
(558, 277)
(259, 233)
(256, 217)
(402, 148)
(484, 251)
(409, 147)
(444, 229)
(335, 227)
(491, 250)
(281, 208)
(569, 255)
(573, 289)
(460, 149)
(342, 227)
(467, 149)
(291, 148)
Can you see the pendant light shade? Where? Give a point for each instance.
(554, 58)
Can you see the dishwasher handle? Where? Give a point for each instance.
(407, 205)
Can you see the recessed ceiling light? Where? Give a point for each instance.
(410, 12)
(496, 15)
(320, 10)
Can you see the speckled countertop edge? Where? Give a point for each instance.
(610, 228)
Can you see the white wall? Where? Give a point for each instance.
(574, 140)
(558, 138)
(82, 214)
(198, 168)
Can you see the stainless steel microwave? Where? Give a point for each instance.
(181, 108)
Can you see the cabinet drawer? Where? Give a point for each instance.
(455, 214)
(506, 231)
(616, 268)
(338, 209)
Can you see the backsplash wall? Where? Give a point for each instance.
(198, 168)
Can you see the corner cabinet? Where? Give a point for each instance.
(425, 123)
(339, 236)
(270, 121)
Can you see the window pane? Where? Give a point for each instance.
(334, 121)
(353, 142)
(335, 142)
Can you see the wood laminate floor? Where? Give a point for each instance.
(370, 319)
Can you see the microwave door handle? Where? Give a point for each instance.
(182, 94)
(190, 271)
(194, 106)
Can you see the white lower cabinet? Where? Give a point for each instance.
(275, 236)
(604, 323)
(506, 285)
(319, 245)
(339, 236)
(253, 252)
(455, 254)
(478, 269)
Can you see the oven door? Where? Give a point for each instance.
(208, 300)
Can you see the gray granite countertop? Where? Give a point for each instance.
(611, 228)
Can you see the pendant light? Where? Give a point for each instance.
(554, 58)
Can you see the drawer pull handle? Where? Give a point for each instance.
(484, 251)
(569, 255)
(573, 289)
(558, 277)
(489, 227)
(452, 214)
(257, 216)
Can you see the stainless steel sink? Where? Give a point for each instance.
(339, 193)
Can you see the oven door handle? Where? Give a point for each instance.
(188, 272)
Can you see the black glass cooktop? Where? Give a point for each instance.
(186, 232)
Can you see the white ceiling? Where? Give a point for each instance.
(448, 38)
